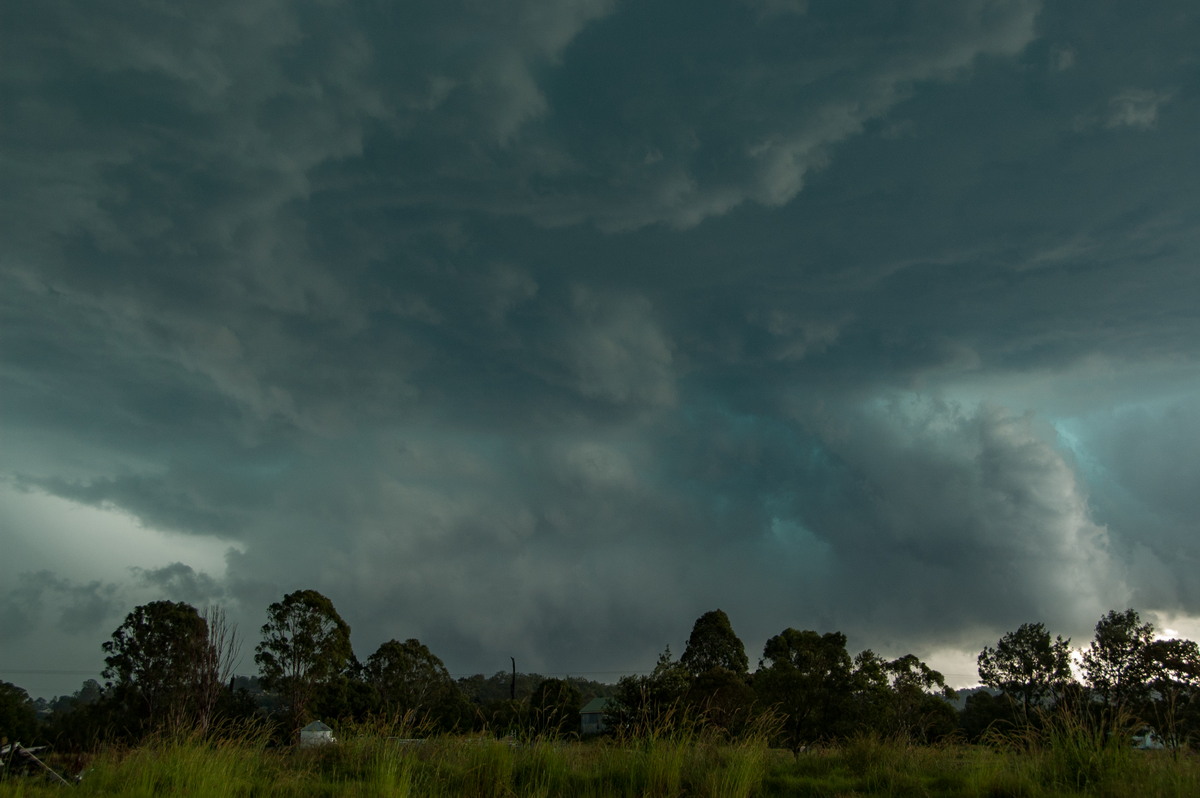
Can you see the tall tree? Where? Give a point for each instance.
(152, 661)
(1174, 669)
(870, 690)
(1116, 665)
(1027, 666)
(713, 644)
(917, 705)
(808, 678)
(408, 676)
(305, 644)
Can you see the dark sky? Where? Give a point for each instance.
(540, 328)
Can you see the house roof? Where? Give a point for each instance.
(316, 726)
(596, 705)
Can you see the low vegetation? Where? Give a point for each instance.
(1065, 758)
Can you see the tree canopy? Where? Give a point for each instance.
(154, 659)
(555, 705)
(408, 676)
(808, 678)
(1115, 664)
(713, 644)
(1027, 666)
(18, 720)
(305, 644)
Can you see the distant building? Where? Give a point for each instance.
(316, 733)
(591, 717)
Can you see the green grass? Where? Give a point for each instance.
(1066, 760)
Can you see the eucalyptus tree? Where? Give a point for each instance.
(154, 662)
(408, 676)
(1174, 667)
(1116, 664)
(1027, 666)
(808, 678)
(305, 644)
(902, 697)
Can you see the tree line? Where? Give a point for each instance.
(1127, 676)
(168, 667)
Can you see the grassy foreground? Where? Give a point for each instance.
(370, 765)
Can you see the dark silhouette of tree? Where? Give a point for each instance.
(720, 698)
(90, 692)
(346, 695)
(153, 662)
(555, 707)
(1115, 665)
(1027, 666)
(408, 677)
(983, 712)
(305, 645)
(652, 702)
(807, 677)
(903, 697)
(18, 719)
(1174, 669)
(713, 644)
(484, 690)
(87, 719)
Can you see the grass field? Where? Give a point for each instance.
(366, 763)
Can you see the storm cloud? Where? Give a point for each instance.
(540, 328)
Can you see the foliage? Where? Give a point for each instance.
(722, 699)
(305, 644)
(156, 661)
(86, 719)
(1115, 664)
(806, 682)
(902, 698)
(18, 720)
(1174, 667)
(808, 678)
(408, 676)
(555, 708)
(652, 701)
(90, 692)
(345, 696)
(1027, 666)
(984, 714)
(1086, 749)
(1066, 761)
(484, 690)
(713, 644)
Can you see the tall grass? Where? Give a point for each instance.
(1068, 756)
(182, 764)
(1084, 750)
